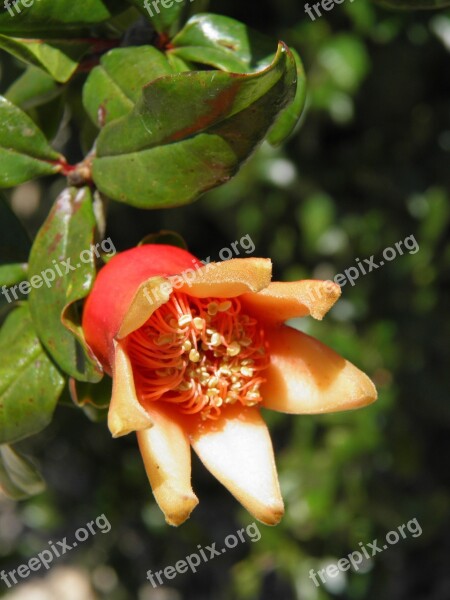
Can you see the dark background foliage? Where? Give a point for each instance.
(367, 167)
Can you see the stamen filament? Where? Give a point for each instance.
(200, 354)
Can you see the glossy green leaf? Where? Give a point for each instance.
(33, 88)
(30, 384)
(24, 151)
(289, 118)
(60, 58)
(167, 16)
(62, 271)
(414, 4)
(114, 87)
(190, 132)
(47, 16)
(227, 44)
(223, 43)
(19, 478)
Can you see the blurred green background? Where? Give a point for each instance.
(368, 166)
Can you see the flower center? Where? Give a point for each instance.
(200, 354)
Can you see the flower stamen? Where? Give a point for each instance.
(200, 354)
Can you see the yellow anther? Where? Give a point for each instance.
(184, 386)
(194, 355)
(247, 372)
(224, 306)
(184, 320)
(213, 381)
(215, 339)
(199, 323)
(187, 346)
(233, 349)
(212, 308)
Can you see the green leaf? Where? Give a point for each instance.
(114, 87)
(46, 16)
(414, 4)
(33, 88)
(12, 274)
(229, 45)
(92, 398)
(60, 58)
(178, 64)
(30, 384)
(48, 117)
(167, 16)
(289, 118)
(190, 132)
(37, 93)
(24, 151)
(95, 394)
(63, 265)
(19, 478)
(223, 43)
(170, 238)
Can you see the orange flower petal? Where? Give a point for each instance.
(228, 279)
(237, 450)
(125, 413)
(150, 295)
(166, 453)
(281, 301)
(307, 377)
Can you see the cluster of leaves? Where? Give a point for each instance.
(161, 121)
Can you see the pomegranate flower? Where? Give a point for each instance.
(195, 351)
